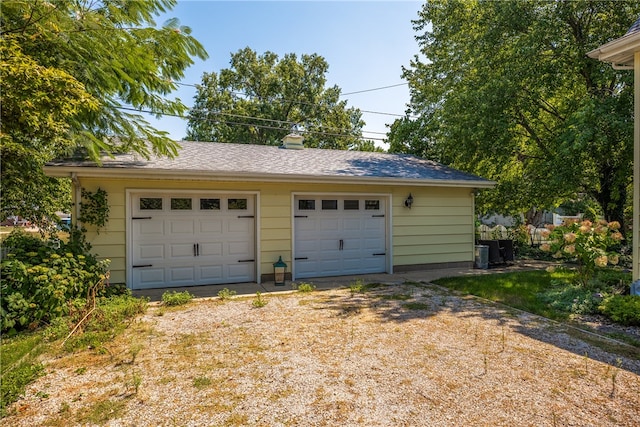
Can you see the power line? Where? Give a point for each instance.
(241, 116)
(197, 86)
(227, 122)
(374, 89)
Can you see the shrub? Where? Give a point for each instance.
(40, 277)
(176, 298)
(624, 309)
(588, 244)
(612, 278)
(572, 298)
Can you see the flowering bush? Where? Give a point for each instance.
(588, 244)
(38, 280)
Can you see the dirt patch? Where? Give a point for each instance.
(401, 355)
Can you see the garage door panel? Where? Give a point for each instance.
(305, 224)
(148, 227)
(328, 245)
(305, 246)
(181, 250)
(150, 252)
(239, 248)
(330, 224)
(211, 249)
(182, 274)
(374, 243)
(212, 273)
(181, 227)
(330, 267)
(240, 271)
(210, 226)
(240, 225)
(149, 277)
(352, 224)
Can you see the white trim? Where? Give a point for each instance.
(257, 237)
(387, 216)
(195, 175)
(619, 51)
(390, 233)
(167, 191)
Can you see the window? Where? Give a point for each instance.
(209, 204)
(150, 203)
(237, 204)
(181, 204)
(351, 205)
(329, 205)
(372, 205)
(306, 205)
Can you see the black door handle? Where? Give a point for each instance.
(341, 244)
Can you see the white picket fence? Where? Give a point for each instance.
(497, 232)
(501, 232)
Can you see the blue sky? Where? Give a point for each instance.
(365, 43)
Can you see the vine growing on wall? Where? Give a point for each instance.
(94, 208)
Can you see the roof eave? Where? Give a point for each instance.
(195, 175)
(619, 51)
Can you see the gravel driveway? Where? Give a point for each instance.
(397, 355)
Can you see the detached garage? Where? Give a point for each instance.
(224, 213)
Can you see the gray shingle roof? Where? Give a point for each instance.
(635, 27)
(209, 158)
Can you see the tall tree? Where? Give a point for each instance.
(260, 98)
(70, 70)
(505, 90)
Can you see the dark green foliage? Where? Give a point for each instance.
(71, 72)
(94, 207)
(261, 97)
(624, 309)
(39, 278)
(572, 298)
(504, 89)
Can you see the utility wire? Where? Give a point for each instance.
(197, 86)
(374, 89)
(286, 122)
(227, 122)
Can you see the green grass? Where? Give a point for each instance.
(19, 366)
(519, 289)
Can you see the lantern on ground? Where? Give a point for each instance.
(279, 270)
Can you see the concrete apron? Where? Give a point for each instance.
(323, 283)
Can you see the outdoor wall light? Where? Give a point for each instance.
(409, 201)
(279, 270)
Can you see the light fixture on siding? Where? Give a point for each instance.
(409, 201)
(279, 270)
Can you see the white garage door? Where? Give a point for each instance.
(339, 235)
(184, 240)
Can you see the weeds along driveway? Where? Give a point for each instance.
(396, 355)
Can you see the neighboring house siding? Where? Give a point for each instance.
(437, 229)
